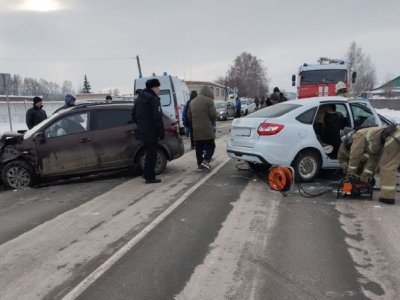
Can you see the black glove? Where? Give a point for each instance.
(353, 177)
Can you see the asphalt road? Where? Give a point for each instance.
(22, 210)
(197, 235)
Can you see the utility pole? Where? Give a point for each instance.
(6, 78)
(226, 88)
(138, 64)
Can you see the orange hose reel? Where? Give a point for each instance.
(280, 178)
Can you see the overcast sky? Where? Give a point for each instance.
(196, 40)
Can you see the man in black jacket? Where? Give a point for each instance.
(147, 114)
(36, 114)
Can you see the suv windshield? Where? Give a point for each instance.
(323, 76)
(220, 105)
(274, 110)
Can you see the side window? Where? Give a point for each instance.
(70, 124)
(307, 117)
(362, 116)
(341, 108)
(104, 119)
(165, 97)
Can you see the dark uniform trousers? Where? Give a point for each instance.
(150, 162)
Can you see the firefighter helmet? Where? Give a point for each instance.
(340, 86)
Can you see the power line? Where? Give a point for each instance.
(65, 59)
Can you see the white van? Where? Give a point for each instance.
(173, 93)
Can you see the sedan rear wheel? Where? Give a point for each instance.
(306, 166)
(17, 174)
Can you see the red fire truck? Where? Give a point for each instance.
(320, 79)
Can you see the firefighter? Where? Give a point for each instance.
(389, 164)
(341, 89)
(366, 141)
(343, 156)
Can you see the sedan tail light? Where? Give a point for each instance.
(269, 128)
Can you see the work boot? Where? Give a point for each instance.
(155, 180)
(387, 201)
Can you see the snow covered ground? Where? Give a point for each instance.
(390, 114)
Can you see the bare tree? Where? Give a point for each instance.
(67, 88)
(15, 85)
(249, 75)
(31, 86)
(116, 92)
(361, 63)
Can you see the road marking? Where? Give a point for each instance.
(81, 287)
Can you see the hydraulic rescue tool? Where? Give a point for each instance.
(354, 189)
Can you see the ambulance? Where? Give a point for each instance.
(173, 93)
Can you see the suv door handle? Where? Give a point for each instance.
(84, 140)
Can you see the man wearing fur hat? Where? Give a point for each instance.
(147, 115)
(36, 114)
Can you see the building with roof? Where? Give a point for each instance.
(388, 90)
(387, 95)
(218, 90)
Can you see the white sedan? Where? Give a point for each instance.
(248, 106)
(295, 133)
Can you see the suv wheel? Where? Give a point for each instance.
(17, 174)
(161, 162)
(306, 165)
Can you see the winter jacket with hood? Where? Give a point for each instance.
(147, 114)
(203, 114)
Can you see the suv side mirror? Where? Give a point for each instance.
(39, 136)
(293, 80)
(353, 77)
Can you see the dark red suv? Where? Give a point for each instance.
(84, 139)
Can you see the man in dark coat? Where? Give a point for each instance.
(275, 97)
(185, 118)
(238, 108)
(147, 114)
(36, 114)
(203, 115)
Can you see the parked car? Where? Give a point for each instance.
(289, 133)
(225, 110)
(247, 106)
(81, 140)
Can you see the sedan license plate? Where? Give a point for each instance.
(241, 131)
